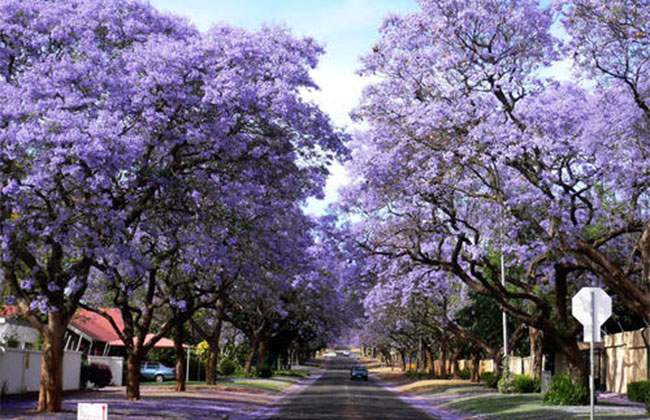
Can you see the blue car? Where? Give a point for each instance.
(151, 371)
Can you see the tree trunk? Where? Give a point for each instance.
(536, 350)
(455, 367)
(403, 357)
(498, 362)
(133, 360)
(50, 392)
(262, 349)
(429, 356)
(211, 366)
(476, 366)
(443, 360)
(249, 359)
(213, 343)
(178, 333)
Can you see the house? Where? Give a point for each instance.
(87, 332)
(15, 332)
(94, 335)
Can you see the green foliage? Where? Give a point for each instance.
(417, 375)
(506, 381)
(265, 371)
(564, 391)
(227, 367)
(83, 373)
(99, 374)
(638, 391)
(165, 356)
(526, 384)
(466, 373)
(490, 379)
(293, 373)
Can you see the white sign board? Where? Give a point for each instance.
(590, 299)
(87, 411)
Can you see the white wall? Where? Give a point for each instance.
(21, 333)
(116, 364)
(20, 370)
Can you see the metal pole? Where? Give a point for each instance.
(187, 365)
(591, 355)
(504, 318)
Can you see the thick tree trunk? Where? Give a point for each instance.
(51, 389)
(443, 360)
(429, 356)
(133, 360)
(213, 342)
(178, 333)
(262, 349)
(211, 366)
(403, 357)
(249, 359)
(455, 367)
(536, 350)
(476, 366)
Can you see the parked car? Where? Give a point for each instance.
(358, 372)
(156, 371)
(330, 354)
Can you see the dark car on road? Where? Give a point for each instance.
(358, 372)
(157, 371)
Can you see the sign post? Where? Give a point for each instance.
(591, 306)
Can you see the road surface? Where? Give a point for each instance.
(334, 396)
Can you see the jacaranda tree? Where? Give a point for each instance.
(115, 114)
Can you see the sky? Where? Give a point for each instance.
(346, 28)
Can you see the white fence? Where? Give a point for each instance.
(115, 363)
(20, 370)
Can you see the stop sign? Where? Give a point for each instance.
(592, 307)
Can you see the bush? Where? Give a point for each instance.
(417, 375)
(526, 384)
(227, 367)
(99, 374)
(265, 371)
(83, 374)
(466, 373)
(638, 391)
(490, 379)
(564, 391)
(505, 384)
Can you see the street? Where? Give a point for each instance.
(335, 396)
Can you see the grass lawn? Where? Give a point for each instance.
(279, 382)
(529, 407)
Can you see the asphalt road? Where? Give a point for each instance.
(335, 396)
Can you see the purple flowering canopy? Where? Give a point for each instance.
(473, 150)
(123, 127)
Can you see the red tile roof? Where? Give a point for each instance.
(97, 327)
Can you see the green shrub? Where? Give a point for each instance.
(466, 373)
(564, 391)
(417, 375)
(265, 371)
(227, 367)
(526, 384)
(638, 391)
(293, 373)
(83, 374)
(99, 374)
(490, 379)
(506, 384)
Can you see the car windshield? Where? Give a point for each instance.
(359, 368)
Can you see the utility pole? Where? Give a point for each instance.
(504, 317)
